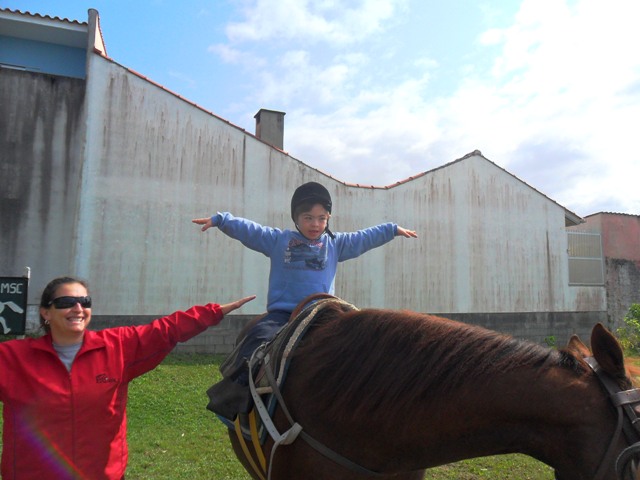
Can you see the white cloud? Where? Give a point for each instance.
(338, 22)
(381, 134)
(554, 97)
(564, 72)
(556, 106)
(236, 56)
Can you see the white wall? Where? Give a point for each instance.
(488, 242)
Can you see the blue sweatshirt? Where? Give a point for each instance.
(301, 267)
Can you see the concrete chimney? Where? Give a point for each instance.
(270, 127)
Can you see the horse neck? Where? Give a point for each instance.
(554, 417)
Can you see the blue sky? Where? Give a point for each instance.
(378, 90)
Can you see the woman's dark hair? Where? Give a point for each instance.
(50, 290)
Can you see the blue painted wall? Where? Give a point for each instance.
(43, 57)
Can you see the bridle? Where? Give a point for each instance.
(625, 402)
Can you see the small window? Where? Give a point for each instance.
(586, 265)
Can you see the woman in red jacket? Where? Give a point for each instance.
(65, 393)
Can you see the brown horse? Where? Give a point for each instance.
(397, 392)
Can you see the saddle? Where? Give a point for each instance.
(233, 403)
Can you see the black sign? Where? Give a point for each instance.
(13, 305)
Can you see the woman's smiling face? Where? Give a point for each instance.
(68, 324)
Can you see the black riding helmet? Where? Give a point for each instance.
(311, 192)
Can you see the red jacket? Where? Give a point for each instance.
(73, 425)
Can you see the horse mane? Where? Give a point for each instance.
(377, 361)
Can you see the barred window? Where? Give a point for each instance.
(586, 265)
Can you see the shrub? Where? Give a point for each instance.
(629, 335)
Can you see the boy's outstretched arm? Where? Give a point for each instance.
(206, 223)
(403, 232)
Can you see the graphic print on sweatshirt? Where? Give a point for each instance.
(311, 254)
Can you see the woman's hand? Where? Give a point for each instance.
(230, 307)
(205, 222)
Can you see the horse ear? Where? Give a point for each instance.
(578, 348)
(607, 351)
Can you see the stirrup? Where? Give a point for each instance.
(228, 399)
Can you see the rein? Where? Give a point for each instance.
(628, 423)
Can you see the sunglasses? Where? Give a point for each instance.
(70, 302)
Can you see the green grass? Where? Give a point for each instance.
(172, 436)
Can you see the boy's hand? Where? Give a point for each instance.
(403, 232)
(205, 222)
